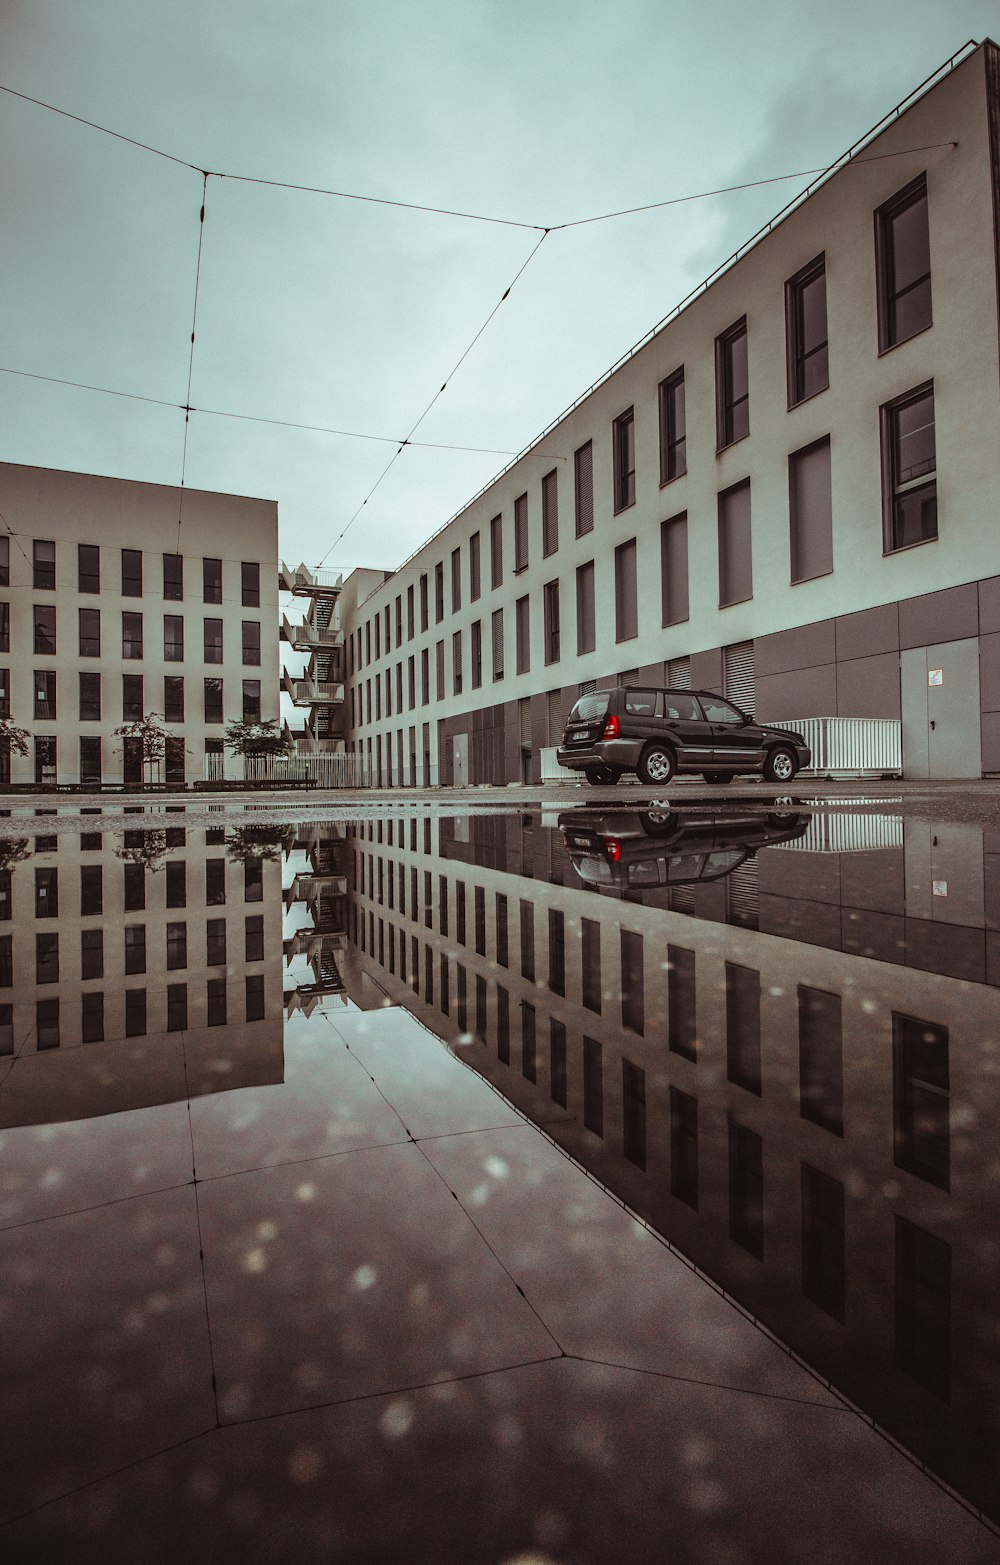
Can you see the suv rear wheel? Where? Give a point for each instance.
(781, 764)
(657, 764)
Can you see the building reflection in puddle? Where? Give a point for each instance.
(774, 1037)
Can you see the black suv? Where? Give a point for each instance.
(656, 733)
(639, 850)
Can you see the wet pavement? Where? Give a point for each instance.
(611, 1180)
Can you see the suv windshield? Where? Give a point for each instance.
(589, 707)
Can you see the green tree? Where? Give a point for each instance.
(150, 735)
(12, 738)
(259, 742)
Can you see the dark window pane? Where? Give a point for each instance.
(212, 580)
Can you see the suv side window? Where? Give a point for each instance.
(719, 711)
(677, 705)
(641, 703)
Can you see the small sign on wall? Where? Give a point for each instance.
(939, 888)
(935, 676)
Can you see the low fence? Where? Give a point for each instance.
(850, 746)
(330, 768)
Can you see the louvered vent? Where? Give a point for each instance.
(738, 674)
(679, 673)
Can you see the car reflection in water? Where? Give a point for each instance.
(620, 851)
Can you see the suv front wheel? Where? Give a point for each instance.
(781, 764)
(657, 764)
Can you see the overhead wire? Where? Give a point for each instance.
(194, 328)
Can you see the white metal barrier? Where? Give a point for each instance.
(847, 832)
(856, 746)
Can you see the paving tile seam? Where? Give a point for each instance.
(201, 1239)
(298, 1162)
(710, 1385)
(96, 1206)
(113, 1472)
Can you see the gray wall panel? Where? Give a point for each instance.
(868, 633)
(809, 692)
(869, 687)
(939, 616)
(805, 647)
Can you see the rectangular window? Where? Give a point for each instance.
(410, 624)
(682, 1016)
(90, 698)
(45, 760)
(475, 568)
(522, 636)
(249, 584)
(477, 654)
(90, 633)
(399, 620)
(743, 1026)
(823, 1250)
(92, 953)
(216, 1002)
(411, 683)
(806, 332)
(173, 577)
(134, 877)
(623, 438)
(254, 987)
(821, 1059)
(132, 698)
(44, 684)
(90, 758)
(177, 1007)
(735, 564)
(44, 564)
(131, 573)
(586, 619)
(496, 552)
(215, 942)
(673, 428)
(213, 700)
(254, 938)
(47, 1024)
(135, 948)
(593, 1086)
(439, 670)
(425, 677)
(173, 638)
(251, 700)
(810, 511)
(634, 1113)
(131, 635)
(529, 1044)
(557, 1061)
(46, 893)
(91, 889)
(45, 627)
(173, 699)
(456, 663)
(903, 262)
(88, 567)
(424, 607)
(923, 1307)
(674, 569)
(551, 616)
(176, 883)
(92, 1018)
(732, 386)
(550, 512)
(251, 643)
(590, 948)
(633, 996)
(212, 581)
(501, 920)
(520, 533)
(4, 562)
(909, 462)
(921, 1099)
(215, 882)
(253, 880)
(583, 489)
(4, 692)
(213, 641)
(684, 1147)
(527, 917)
(626, 593)
(746, 1189)
(439, 592)
(456, 580)
(497, 630)
(557, 951)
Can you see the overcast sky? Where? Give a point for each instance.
(347, 314)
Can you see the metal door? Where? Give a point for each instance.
(460, 760)
(940, 710)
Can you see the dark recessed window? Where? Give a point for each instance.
(438, 593)
(626, 588)
(173, 577)
(903, 261)
(522, 635)
(496, 552)
(456, 663)
(732, 385)
(424, 611)
(212, 581)
(810, 511)
(583, 489)
(735, 560)
(921, 1099)
(45, 627)
(132, 698)
(673, 428)
(550, 512)
(251, 643)
(131, 573)
(90, 633)
(44, 564)
(674, 569)
(90, 698)
(551, 614)
(251, 700)
(131, 635)
(4, 562)
(684, 1147)
(475, 568)
(806, 333)
(249, 584)
(477, 654)
(520, 533)
(213, 641)
(456, 580)
(909, 464)
(44, 681)
(89, 567)
(213, 700)
(497, 634)
(173, 638)
(623, 439)
(586, 624)
(173, 698)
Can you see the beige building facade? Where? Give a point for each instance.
(118, 599)
(787, 492)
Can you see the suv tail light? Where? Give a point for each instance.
(611, 729)
(564, 736)
(612, 845)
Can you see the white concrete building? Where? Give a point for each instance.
(118, 599)
(788, 491)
